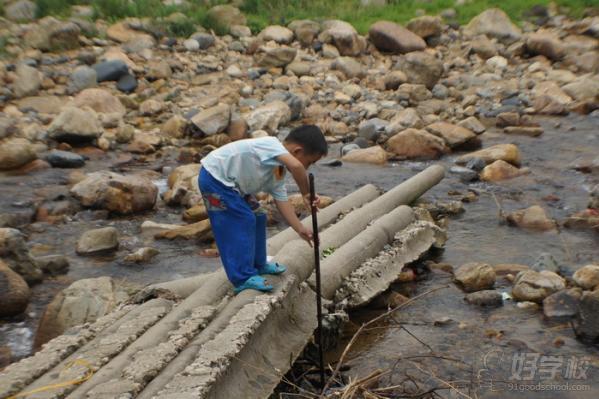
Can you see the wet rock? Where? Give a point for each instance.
(343, 36)
(587, 322)
(99, 100)
(268, 117)
(485, 298)
(15, 152)
(498, 171)
(53, 265)
(346, 149)
(475, 276)
(15, 254)
(64, 159)
(5, 357)
(195, 214)
(373, 155)
(21, 11)
(84, 301)
(562, 304)
(545, 261)
(28, 81)
(545, 43)
(226, 16)
(372, 128)
(505, 152)
(116, 193)
(425, 26)
(213, 120)
(390, 37)
(50, 34)
(83, 77)
(503, 269)
(531, 131)
(466, 175)
(98, 241)
(493, 22)
(267, 56)
(586, 219)
(587, 277)
(422, 68)
(453, 135)
(195, 231)
(111, 70)
(76, 125)
(14, 292)
(535, 286)
(534, 218)
(417, 144)
(127, 83)
(142, 255)
(349, 66)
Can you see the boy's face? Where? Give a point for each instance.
(304, 158)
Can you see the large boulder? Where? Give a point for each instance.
(98, 241)
(535, 286)
(14, 292)
(76, 125)
(269, 56)
(533, 218)
(390, 37)
(268, 117)
(116, 193)
(416, 144)
(343, 36)
(422, 68)
(84, 301)
(373, 155)
(50, 34)
(493, 22)
(453, 135)
(16, 255)
(99, 100)
(506, 152)
(475, 276)
(587, 277)
(213, 120)
(15, 152)
(28, 81)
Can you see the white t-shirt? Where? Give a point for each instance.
(250, 166)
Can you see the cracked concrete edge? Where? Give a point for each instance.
(97, 352)
(17, 375)
(376, 275)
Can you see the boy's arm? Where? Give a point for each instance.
(288, 213)
(298, 172)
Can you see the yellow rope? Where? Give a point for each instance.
(77, 381)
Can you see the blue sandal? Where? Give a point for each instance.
(254, 283)
(272, 268)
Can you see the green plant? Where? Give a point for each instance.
(53, 7)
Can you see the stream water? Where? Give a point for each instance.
(474, 236)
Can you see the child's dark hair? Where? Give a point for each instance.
(310, 137)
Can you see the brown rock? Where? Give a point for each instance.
(199, 231)
(503, 269)
(499, 170)
(587, 277)
(174, 127)
(475, 276)
(507, 119)
(422, 68)
(343, 36)
(425, 26)
(535, 286)
(15, 152)
(414, 143)
(586, 219)
(531, 131)
(238, 128)
(195, 214)
(505, 152)
(14, 292)
(394, 79)
(533, 218)
(545, 43)
(493, 22)
(374, 155)
(390, 37)
(99, 100)
(453, 135)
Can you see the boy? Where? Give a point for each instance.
(229, 178)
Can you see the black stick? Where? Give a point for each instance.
(318, 290)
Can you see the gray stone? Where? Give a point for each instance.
(476, 164)
(485, 298)
(83, 77)
(562, 304)
(191, 45)
(76, 125)
(98, 241)
(466, 175)
(205, 40)
(127, 83)
(213, 120)
(14, 292)
(110, 70)
(391, 37)
(346, 149)
(372, 128)
(28, 81)
(21, 11)
(14, 252)
(587, 322)
(53, 265)
(545, 261)
(422, 68)
(535, 286)
(64, 159)
(493, 22)
(350, 67)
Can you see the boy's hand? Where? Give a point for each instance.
(309, 205)
(305, 234)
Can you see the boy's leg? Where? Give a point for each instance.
(260, 253)
(233, 225)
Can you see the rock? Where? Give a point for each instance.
(151, 107)
(346, 149)
(533, 218)
(15, 152)
(562, 304)
(195, 214)
(343, 36)
(586, 219)
(582, 89)
(41, 104)
(453, 135)
(535, 286)
(485, 298)
(394, 79)
(531, 131)
(299, 68)
(127, 83)
(83, 77)
(498, 171)
(116, 193)
(276, 33)
(545, 43)
(275, 56)
(21, 11)
(372, 128)
(213, 120)
(507, 119)
(28, 81)
(15, 254)
(425, 26)
(50, 34)
(174, 127)
(493, 22)
(475, 276)
(205, 40)
(240, 31)
(53, 265)
(226, 16)
(349, 66)
(483, 47)
(14, 292)
(5, 357)
(111, 70)
(191, 45)
(305, 31)
(121, 32)
(142, 255)
(182, 181)
(98, 241)
(99, 100)
(416, 144)
(587, 322)
(587, 277)
(473, 124)
(124, 133)
(505, 152)
(268, 117)
(390, 37)
(139, 43)
(64, 159)
(466, 175)
(550, 99)
(76, 125)
(84, 301)
(422, 68)
(195, 231)
(373, 155)
(406, 118)
(504, 269)
(159, 70)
